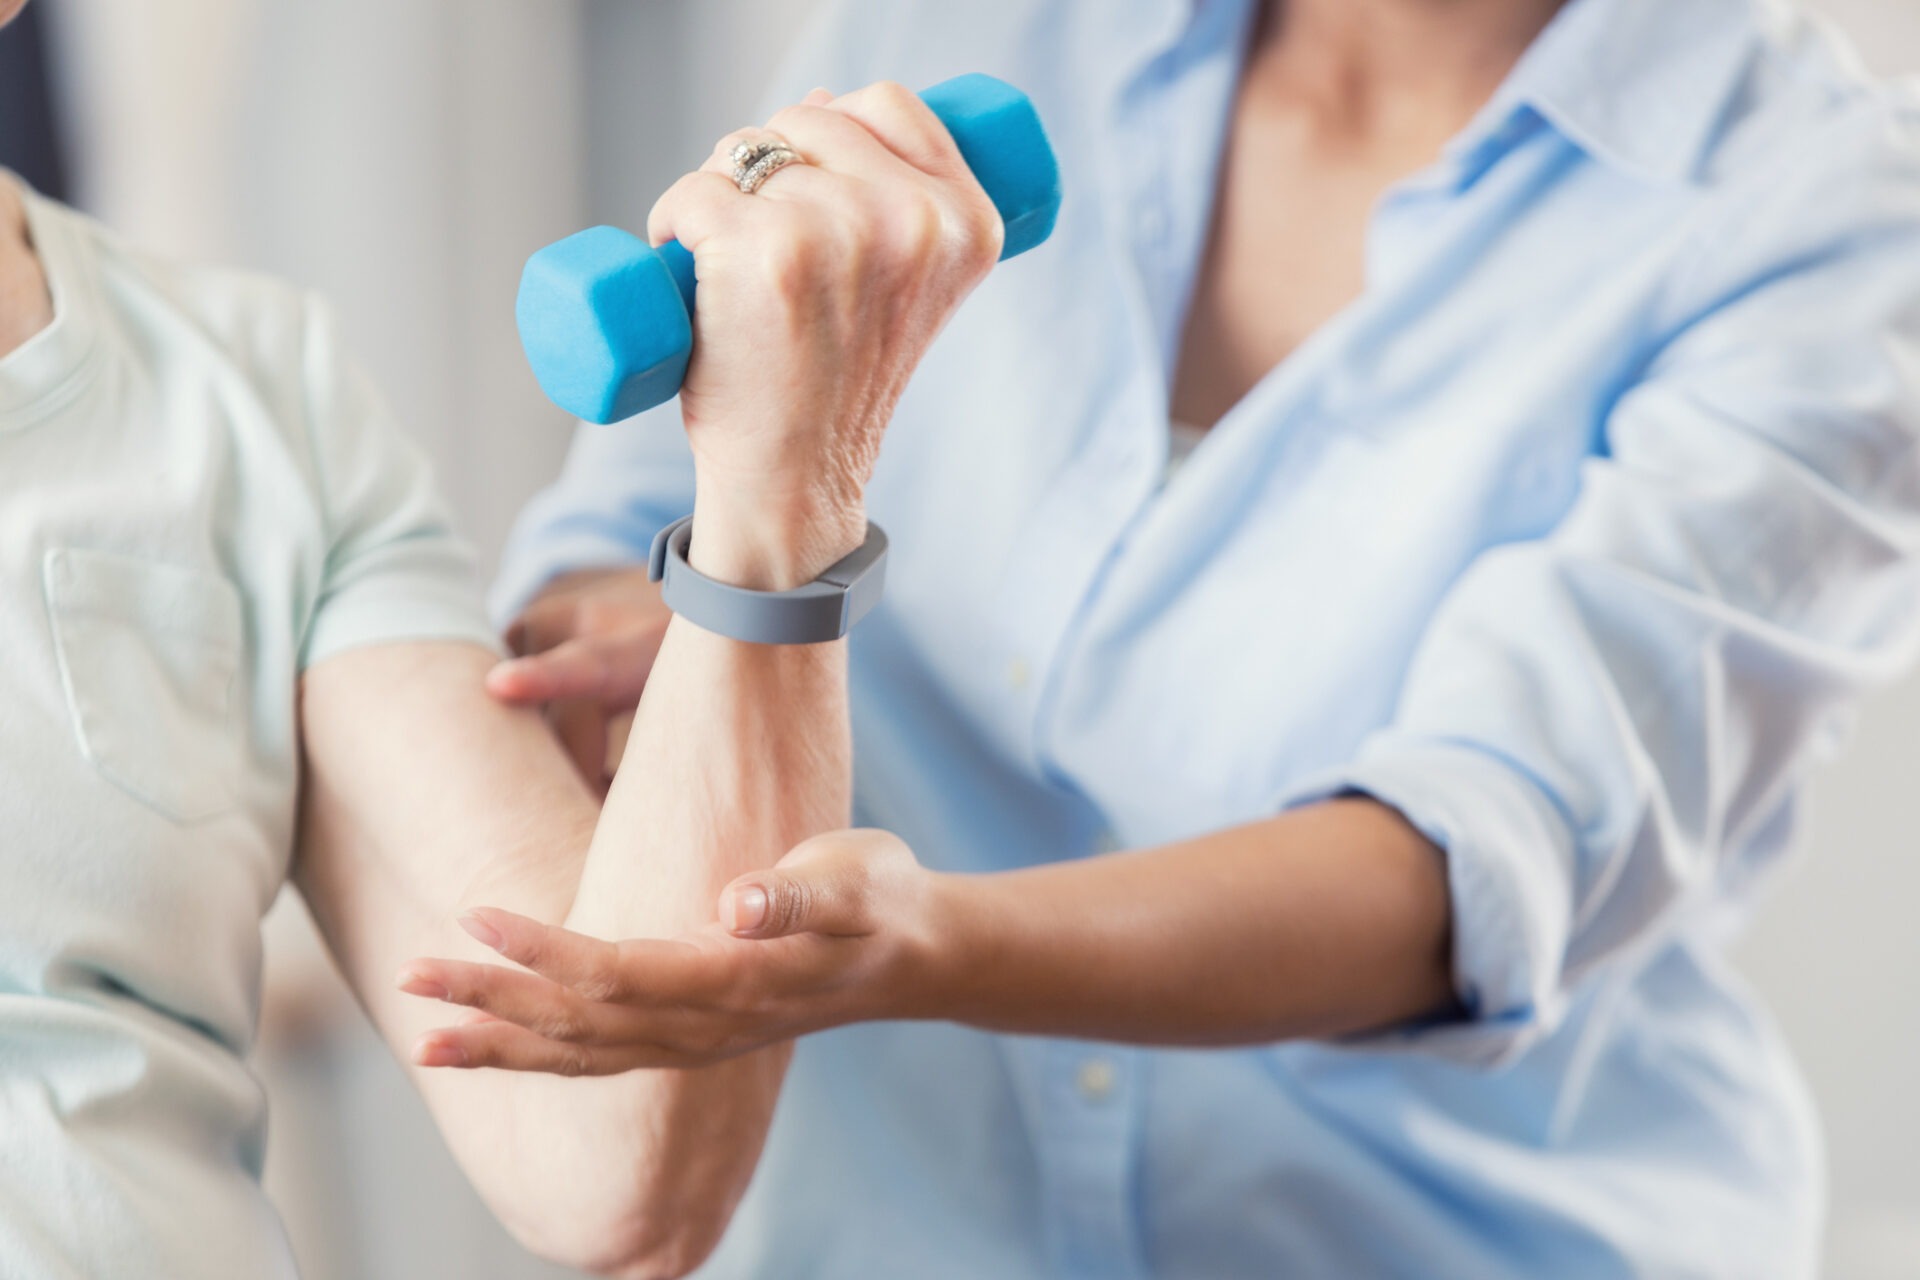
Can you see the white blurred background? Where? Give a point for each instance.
(404, 156)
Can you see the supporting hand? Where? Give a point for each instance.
(843, 929)
(584, 648)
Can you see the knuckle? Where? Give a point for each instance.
(920, 227)
(564, 1025)
(528, 952)
(982, 233)
(703, 1041)
(576, 1060)
(787, 117)
(792, 904)
(893, 94)
(605, 985)
(791, 257)
(735, 990)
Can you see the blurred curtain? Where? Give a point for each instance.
(401, 156)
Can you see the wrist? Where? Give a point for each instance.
(950, 938)
(767, 540)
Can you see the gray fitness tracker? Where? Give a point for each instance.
(821, 610)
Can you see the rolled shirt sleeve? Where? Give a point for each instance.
(1597, 724)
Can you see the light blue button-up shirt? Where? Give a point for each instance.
(1574, 539)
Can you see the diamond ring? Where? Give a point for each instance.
(756, 161)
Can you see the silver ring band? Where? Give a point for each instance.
(754, 162)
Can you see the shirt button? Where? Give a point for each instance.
(1017, 674)
(1095, 1079)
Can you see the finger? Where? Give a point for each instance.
(636, 971)
(700, 205)
(836, 142)
(544, 1007)
(904, 125)
(606, 668)
(560, 955)
(507, 1047)
(824, 886)
(908, 127)
(818, 97)
(542, 625)
(517, 636)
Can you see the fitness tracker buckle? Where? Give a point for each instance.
(813, 613)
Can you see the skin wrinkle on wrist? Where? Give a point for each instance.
(767, 546)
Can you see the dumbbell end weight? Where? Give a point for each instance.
(604, 325)
(1002, 140)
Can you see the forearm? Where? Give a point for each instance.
(423, 799)
(1325, 921)
(737, 753)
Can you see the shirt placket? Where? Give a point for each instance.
(1089, 1096)
(1072, 535)
(1149, 158)
(1090, 1103)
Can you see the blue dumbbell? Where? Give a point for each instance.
(606, 319)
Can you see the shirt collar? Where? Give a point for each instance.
(1638, 84)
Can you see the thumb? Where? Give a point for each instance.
(811, 891)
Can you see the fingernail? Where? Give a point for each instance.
(438, 1053)
(419, 984)
(482, 932)
(749, 908)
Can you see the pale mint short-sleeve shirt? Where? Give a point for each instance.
(199, 498)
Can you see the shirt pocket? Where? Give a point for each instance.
(149, 654)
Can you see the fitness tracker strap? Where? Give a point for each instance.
(821, 610)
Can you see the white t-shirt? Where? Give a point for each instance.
(199, 498)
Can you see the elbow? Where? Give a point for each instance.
(662, 1245)
(667, 1255)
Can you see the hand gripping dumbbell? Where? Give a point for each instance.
(606, 319)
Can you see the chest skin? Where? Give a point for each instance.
(1304, 167)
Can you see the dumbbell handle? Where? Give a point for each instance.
(588, 301)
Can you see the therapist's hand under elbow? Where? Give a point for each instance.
(847, 928)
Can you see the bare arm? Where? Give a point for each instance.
(1325, 921)
(424, 798)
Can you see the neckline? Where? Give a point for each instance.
(47, 370)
